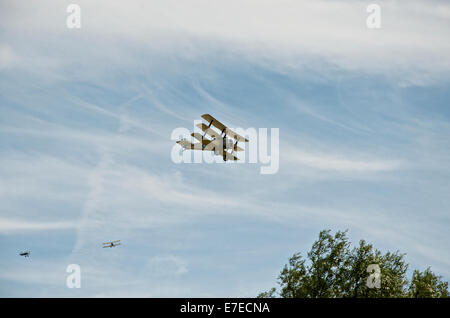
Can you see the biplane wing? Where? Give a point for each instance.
(111, 242)
(224, 129)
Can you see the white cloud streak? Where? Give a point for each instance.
(7, 226)
(411, 45)
(340, 163)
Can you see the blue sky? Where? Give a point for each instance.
(86, 117)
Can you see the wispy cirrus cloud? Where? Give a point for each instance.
(8, 226)
(291, 35)
(340, 163)
(85, 145)
(8, 58)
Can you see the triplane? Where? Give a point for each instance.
(219, 144)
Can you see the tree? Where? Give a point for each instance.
(332, 269)
(427, 285)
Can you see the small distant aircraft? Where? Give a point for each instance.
(25, 254)
(219, 142)
(111, 244)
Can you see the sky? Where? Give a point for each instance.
(86, 117)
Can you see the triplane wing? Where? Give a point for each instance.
(189, 145)
(209, 131)
(224, 129)
(212, 121)
(201, 138)
(216, 137)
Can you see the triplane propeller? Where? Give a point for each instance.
(219, 143)
(111, 244)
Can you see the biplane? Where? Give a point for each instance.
(111, 244)
(25, 254)
(219, 143)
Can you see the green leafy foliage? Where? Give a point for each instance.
(427, 285)
(332, 269)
